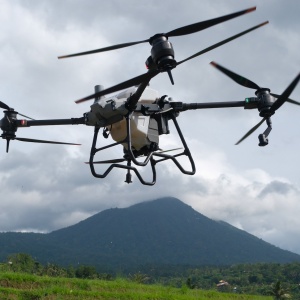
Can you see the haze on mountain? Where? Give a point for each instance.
(163, 231)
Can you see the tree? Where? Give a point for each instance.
(279, 292)
(86, 272)
(54, 271)
(22, 262)
(139, 277)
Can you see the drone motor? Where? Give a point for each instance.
(265, 102)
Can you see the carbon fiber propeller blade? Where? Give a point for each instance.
(206, 24)
(152, 73)
(109, 48)
(222, 42)
(176, 32)
(3, 105)
(237, 78)
(285, 95)
(287, 100)
(250, 131)
(43, 141)
(126, 84)
(25, 116)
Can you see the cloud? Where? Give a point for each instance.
(255, 202)
(46, 187)
(57, 191)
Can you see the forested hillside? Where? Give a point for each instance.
(163, 231)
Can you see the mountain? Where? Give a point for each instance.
(162, 231)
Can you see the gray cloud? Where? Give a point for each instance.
(46, 187)
(276, 187)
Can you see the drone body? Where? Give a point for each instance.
(144, 130)
(136, 117)
(110, 113)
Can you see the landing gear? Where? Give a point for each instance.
(130, 156)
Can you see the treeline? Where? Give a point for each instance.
(24, 263)
(259, 279)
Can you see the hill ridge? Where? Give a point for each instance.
(161, 231)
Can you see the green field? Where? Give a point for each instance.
(18, 286)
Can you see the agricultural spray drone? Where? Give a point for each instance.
(137, 116)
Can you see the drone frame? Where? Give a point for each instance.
(130, 157)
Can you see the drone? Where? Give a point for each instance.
(137, 116)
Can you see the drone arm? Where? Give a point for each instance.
(179, 106)
(29, 123)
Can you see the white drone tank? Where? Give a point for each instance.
(139, 123)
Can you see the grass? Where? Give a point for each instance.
(17, 286)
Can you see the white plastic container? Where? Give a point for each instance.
(139, 123)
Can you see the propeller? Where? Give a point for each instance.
(189, 29)
(5, 106)
(250, 131)
(43, 141)
(223, 42)
(121, 86)
(268, 106)
(246, 82)
(9, 128)
(9, 138)
(153, 72)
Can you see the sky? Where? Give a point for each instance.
(47, 187)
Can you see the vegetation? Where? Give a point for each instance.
(279, 280)
(133, 258)
(21, 277)
(33, 287)
(279, 292)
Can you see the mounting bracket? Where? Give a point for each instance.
(150, 157)
(263, 138)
